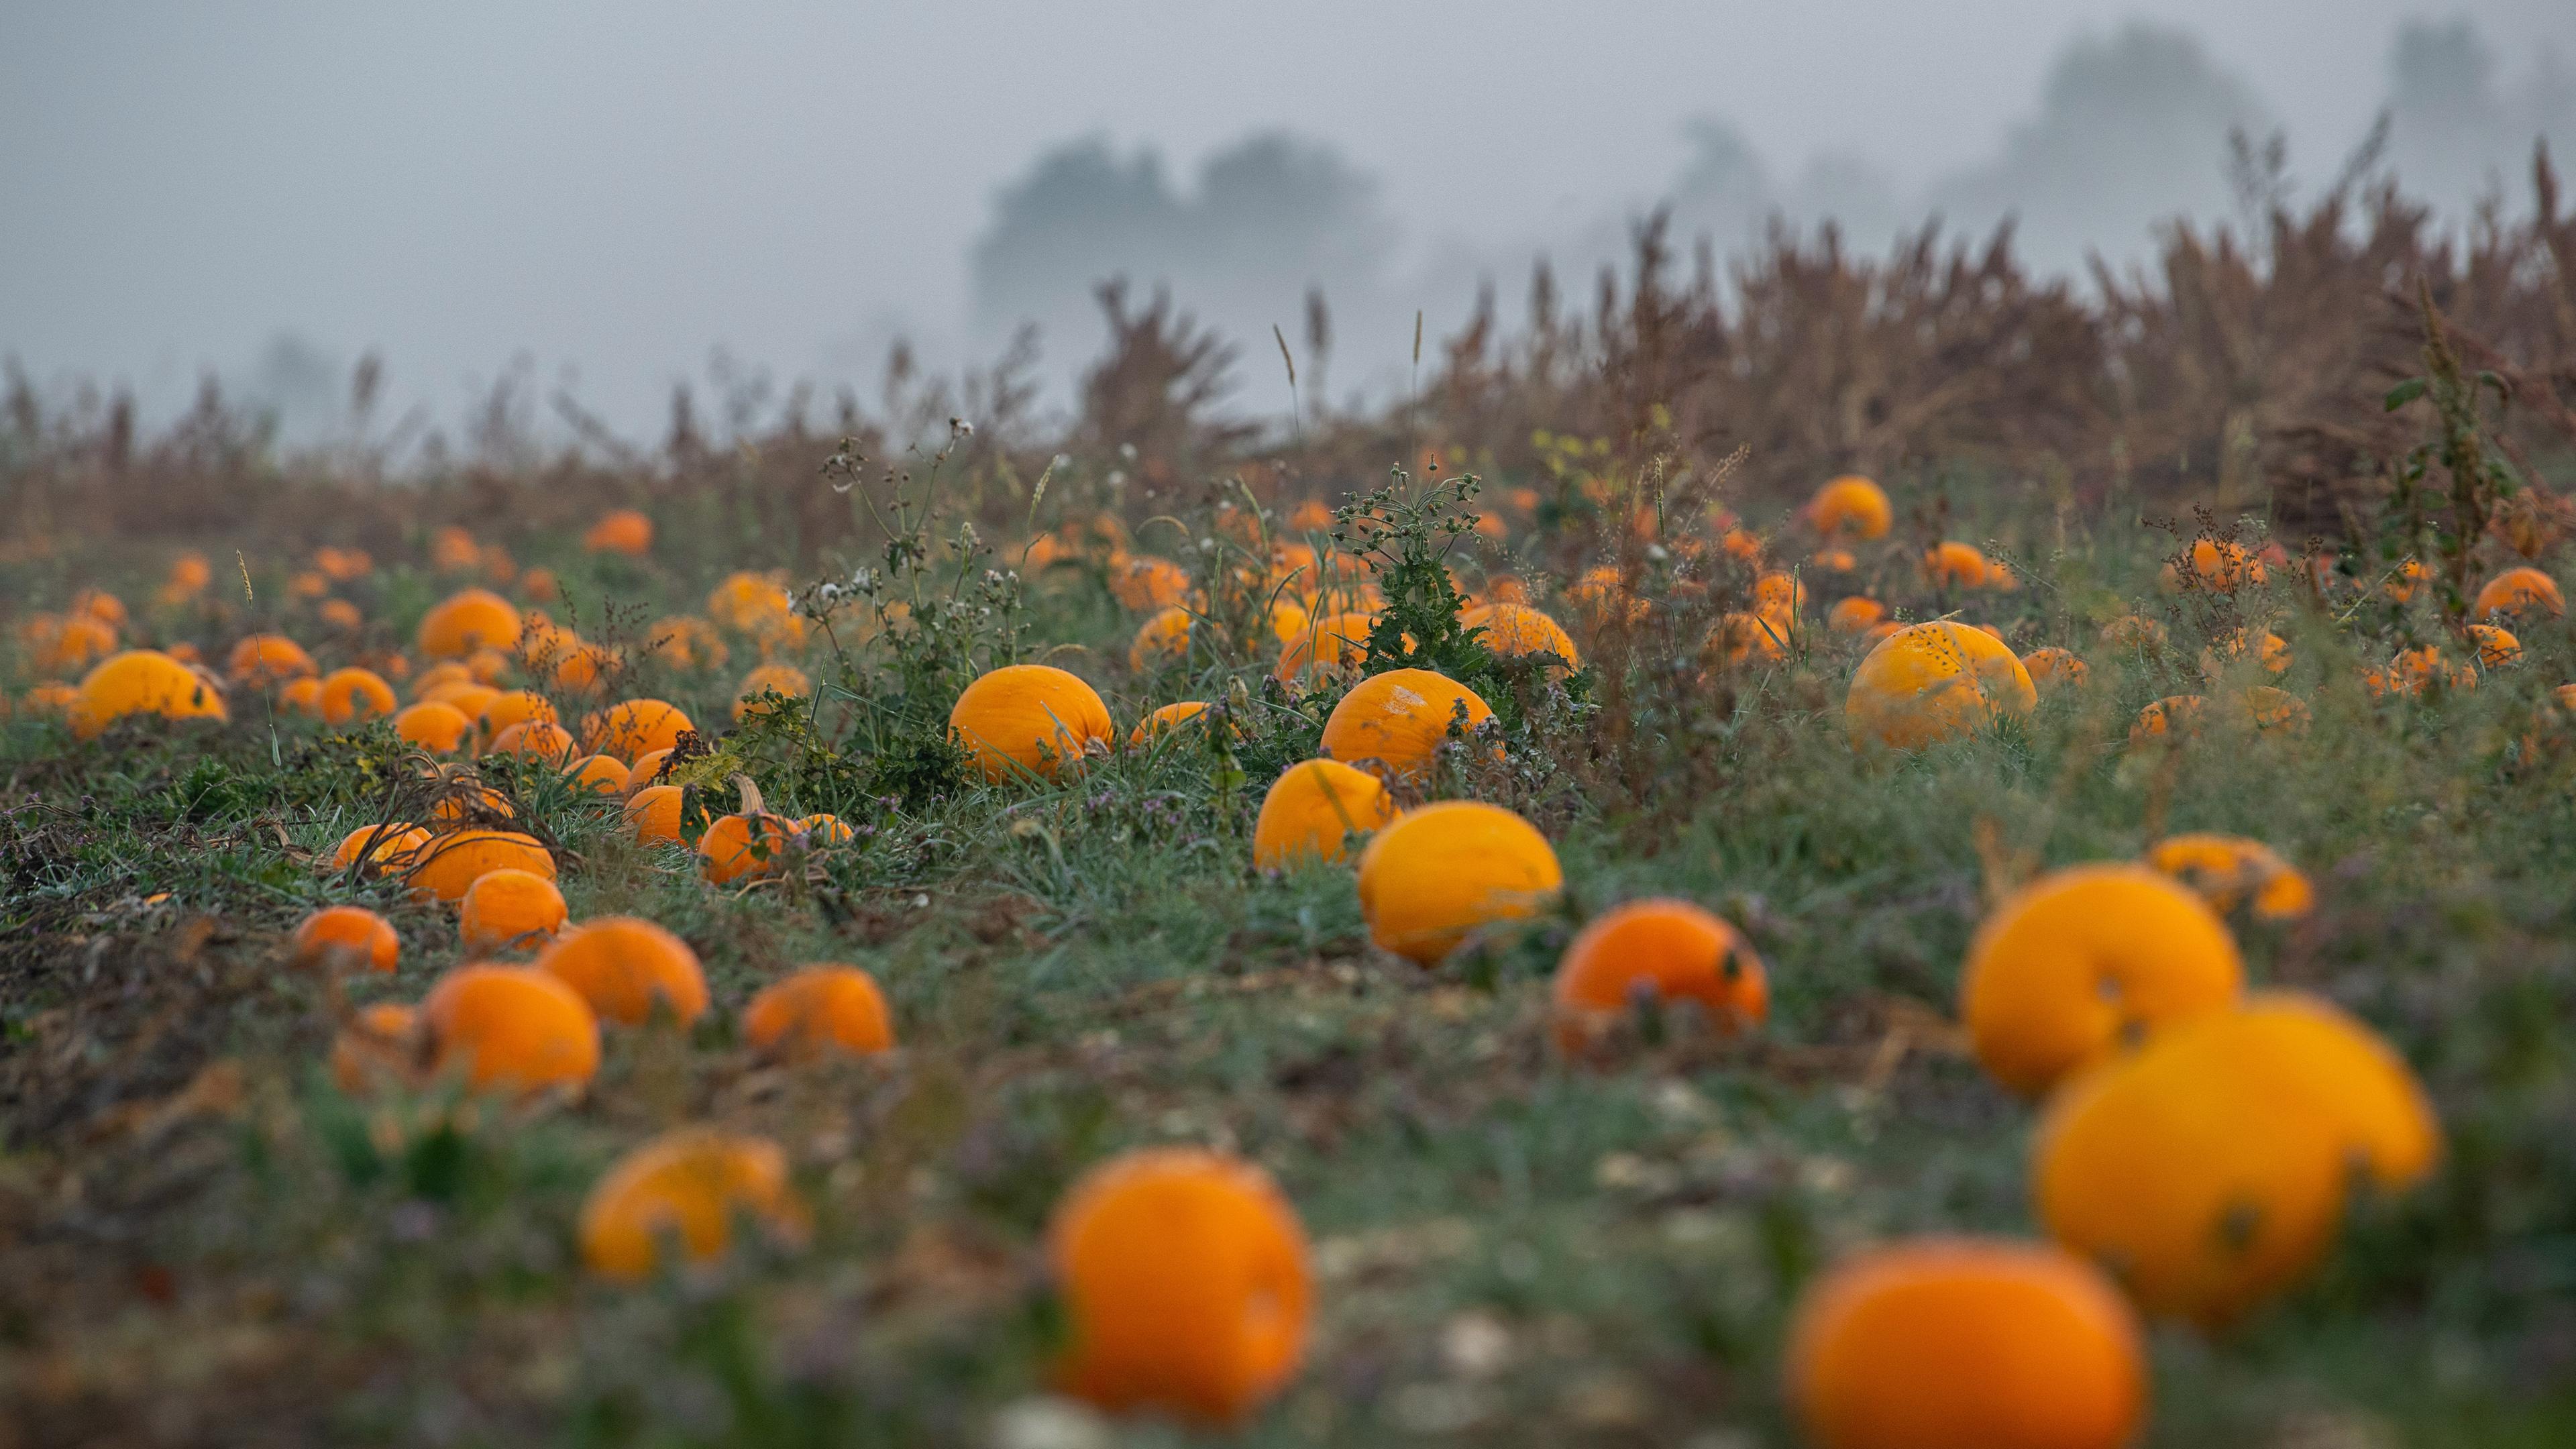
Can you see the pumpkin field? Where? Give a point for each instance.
(1887, 854)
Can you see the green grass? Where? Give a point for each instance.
(1509, 1249)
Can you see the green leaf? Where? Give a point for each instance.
(2403, 393)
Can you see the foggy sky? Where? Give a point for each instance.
(614, 190)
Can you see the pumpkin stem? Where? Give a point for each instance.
(752, 804)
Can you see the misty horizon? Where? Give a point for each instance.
(2119, 130)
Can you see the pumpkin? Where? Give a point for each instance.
(141, 681)
(635, 727)
(2497, 646)
(1851, 507)
(1931, 682)
(1955, 565)
(2519, 592)
(448, 866)
(69, 645)
(817, 1010)
(2266, 708)
(620, 530)
(2051, 667)
(467, 621)
(1661, 952)
(536, 739)
(2210, 1168)
(750, 603)
(1739, 638)
(509, 1028)
(2214, 564)
(1184, 1279)
(766, 680)
(749, 843)
(653, 813)
(2082, 961)
(1854, 615)
(1161, 640)
(824, 830)
(1438, 873)
(434, 726)
(1312, 810)
(1029, 718)
(433, 681)
(469, 699)
(1392, 724)
(509, 910)
(348, 933)
(265, 659)
(2226, 869)
(1333, 644)
(597, 775)
(646, 769)
(1144, 582)
(2175, 716)
(628, 969)
(1163, 721)
(686, 643)
(509, 708)
(1959, 1343)
(2134, 632)
(686, 1187)
(354, 696)
(1516, 631)
(388, 846)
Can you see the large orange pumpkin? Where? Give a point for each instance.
(1185, 1285)
(1029, 718)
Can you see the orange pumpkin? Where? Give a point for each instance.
(388, 846)
(2211, 1167)
(1854, 615)
(820, 1009)
(627, 969)
(2518, 593)
(448, 866)
(1163, 721)
(1658, 951)
(1931, 682)
(1029, 718)
(1439, 873)
(262, 660)
(1332, 644)
(1956, 1343)
(1516, 631)
(510, 1028)
(2051, 667)
(1851, 507)
(635, 727)
(351, 933)
(435, 727)
(466, 621)
(620, 530)
(687, 1186)
(354, 696)
(1951, 564)
(509, 910)
(1392, 724)
(770, 679)
(2084, 960)
(141, 681)
(1184, 1282)
(653, 813)
(1312, 810)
